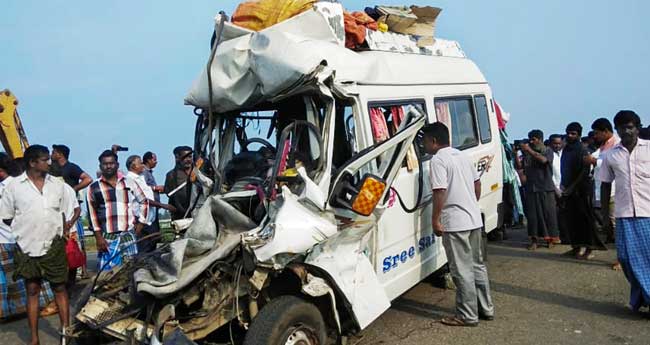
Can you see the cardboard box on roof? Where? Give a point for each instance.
(426, 21)
(415, 21)
(425, 41)
(398, 19)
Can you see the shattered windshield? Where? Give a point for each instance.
(278, 139)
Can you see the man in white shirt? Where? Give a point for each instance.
(136, 169)
(557, 145)
(627, 165)
(13, 294)
(606, 139)
(457, 218)
(37, 206)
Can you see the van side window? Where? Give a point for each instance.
(458, 115)
(385, 120)
(483, 118)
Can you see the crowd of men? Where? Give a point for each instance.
(40, 206)
(567, 186)
(592, 190)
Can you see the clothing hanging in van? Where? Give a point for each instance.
(379, 125)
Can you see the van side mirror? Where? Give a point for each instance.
(361, 198)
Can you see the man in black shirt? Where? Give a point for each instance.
(71, 173)
(577, 196)
(176, 177)
(76, 178)
(540, 191)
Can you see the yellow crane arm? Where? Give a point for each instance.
(12, 134)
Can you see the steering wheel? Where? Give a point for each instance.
(259, 141)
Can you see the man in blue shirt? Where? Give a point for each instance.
(150, 161)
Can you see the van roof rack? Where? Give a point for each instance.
(400, 43)
(397, 29)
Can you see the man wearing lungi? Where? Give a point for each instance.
(37, 206)
(13, 293)
(628, 166)
(117, 209)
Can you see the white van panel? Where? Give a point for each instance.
(405, 251)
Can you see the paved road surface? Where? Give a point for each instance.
(541, 298)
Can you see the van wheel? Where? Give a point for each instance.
(287, 320)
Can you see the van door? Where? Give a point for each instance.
(404, 242)
(382, 160)
(345, 256)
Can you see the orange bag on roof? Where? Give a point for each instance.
(260, 14)
(355, 27)
(364, 19)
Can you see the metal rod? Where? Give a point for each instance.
(177, 189)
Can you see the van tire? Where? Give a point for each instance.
(286, 317)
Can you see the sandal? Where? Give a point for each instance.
(456, 322)
(617, 266)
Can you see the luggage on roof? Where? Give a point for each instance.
(257, 15)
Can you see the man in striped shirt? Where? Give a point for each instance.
(118, 209)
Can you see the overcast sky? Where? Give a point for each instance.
(89, 74)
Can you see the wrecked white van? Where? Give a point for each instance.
(312, 211)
